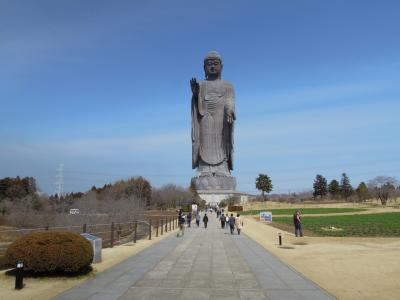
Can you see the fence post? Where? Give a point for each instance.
(170, 224)
(162, 226)
(166, 224)
(150, 229)
(112, 235)
(173, 223)
(119, 231)
(84, 228)
(157, 228)
(135, 232)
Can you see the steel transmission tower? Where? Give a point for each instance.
(60, 181)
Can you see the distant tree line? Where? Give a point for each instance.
(381, 187)
(22, 206)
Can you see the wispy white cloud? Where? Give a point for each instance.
(89, 147)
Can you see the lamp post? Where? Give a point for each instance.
(19, 275)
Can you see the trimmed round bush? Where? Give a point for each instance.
(51, 252)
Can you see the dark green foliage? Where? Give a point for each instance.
(51, 252)
(346, 190)
(334, 189)
(362, 192)
(385, 225)
(17, 188)
(264, 184)
(290, 211)
(320, 186)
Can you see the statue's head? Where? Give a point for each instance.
(213, 65)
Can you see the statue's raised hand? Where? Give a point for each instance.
(195, 86)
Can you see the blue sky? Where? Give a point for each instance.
(103, 88)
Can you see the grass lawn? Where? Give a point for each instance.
(371, 225)
(290, 211)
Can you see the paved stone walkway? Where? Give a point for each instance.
(204, 264)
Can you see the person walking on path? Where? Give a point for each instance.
(297, 223)
(198, 219)
(238, 223)
(232, 223)
(227, 220)
(181, 221)
(205, 220)
(189, 218)
(222, 219)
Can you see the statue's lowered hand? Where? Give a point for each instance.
(230, 117)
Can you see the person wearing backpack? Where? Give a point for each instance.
(205, 220)
(232, 223)
(198, 219)
(181, 221)
(222, 219)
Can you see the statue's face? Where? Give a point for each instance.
(213, 67)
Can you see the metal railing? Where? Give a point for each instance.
(114, 233)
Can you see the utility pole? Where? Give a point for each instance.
(60, 181)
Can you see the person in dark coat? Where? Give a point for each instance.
(181, 221)
(232, 223)
(297, 223)
(205, 220)
(189, 218)
(222, 219)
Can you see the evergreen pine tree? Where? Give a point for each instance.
(334, 189)
(320, 186)
(346, 190)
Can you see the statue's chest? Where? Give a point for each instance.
(213, 91)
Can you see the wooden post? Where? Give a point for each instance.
(162, 226)
(166, 224)
(84, 228)
(150, 229)
(112, 235)
(157, 229)
(170, 224)
(135, 232)
(173, 223)
(119, 231)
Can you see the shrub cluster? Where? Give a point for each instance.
(51, 252)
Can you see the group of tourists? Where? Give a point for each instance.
(227, 221)
(187, 219)
(231, 222)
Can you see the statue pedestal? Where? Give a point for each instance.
(214, 189)
(214, 182)
(214, 197)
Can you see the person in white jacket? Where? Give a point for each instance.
(238, 223)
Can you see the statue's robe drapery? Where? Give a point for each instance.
(212, 135)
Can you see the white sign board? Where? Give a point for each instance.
(74, 211)
(266, 216)
(194, 208)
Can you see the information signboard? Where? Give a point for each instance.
(266, 216)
